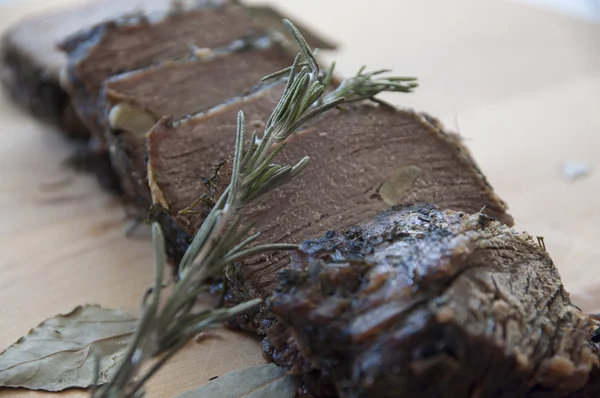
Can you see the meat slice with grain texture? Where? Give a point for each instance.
(185, 158)
(420, 302)
(31, 63)
(364, 159)
(131, 103)
(143, 39)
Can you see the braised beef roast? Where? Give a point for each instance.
(413, 302)
(364, 158)
(422, 302)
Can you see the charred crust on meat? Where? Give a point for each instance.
(30, 86)
(451, 307)
(375, 138)
(177, 241)
(596, 336)
(88, 158)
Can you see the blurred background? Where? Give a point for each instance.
(581, 8)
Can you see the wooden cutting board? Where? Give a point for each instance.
(521, 85)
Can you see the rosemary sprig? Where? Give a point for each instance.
(163, 330)
(364, 86)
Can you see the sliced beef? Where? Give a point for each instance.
(133, 102)
(184, 159)
(420, 302)
(31, 63)
(144, 39)
(363, 159)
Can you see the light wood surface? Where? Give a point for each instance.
(521, 85)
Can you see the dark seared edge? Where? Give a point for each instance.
(91, 157)
(30, 86)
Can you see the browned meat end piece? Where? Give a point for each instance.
(363, 160)
(140, 40)
(133, 102)
(420, 302)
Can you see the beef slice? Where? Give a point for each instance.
(185, 156)
(364, 159)
(144, 39)
(422, 302)
(133, 102)
(31, 63)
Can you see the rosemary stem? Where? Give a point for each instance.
(159, 363)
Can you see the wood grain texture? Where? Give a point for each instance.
(522, 85)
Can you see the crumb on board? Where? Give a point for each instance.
(575, 170)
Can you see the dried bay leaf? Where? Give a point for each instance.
(59, 353)
(263, 381)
